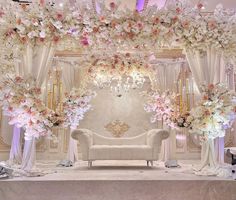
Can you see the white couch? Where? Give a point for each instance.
(142, 147)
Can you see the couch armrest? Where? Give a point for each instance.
(154, 139)
(84, 136)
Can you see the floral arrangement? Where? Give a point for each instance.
(214, 113)
(182, 23)
(117, 65)
(20, 101)
(162, 106)
(182, 120)
(76, 104)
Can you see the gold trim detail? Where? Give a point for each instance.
(117, 128)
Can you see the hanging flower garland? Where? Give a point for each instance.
(76, 104)
(105, 68)
(20, 101)
(214, 113)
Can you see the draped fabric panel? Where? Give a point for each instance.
(68, 77)
(167, 75)
(208, 67)
(15, 152)
(164, 72)
(14, 132)
(36, 63)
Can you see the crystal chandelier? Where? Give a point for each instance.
(119, 85)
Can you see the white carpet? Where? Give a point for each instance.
(117, 170)
(117, 180)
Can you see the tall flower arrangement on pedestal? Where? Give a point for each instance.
(21, 102)
(76, 104)
(214, 113)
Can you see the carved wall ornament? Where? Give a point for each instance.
(117, 128)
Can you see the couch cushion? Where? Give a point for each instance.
(120, 152)
(138, 140)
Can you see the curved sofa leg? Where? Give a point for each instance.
(90, 164)
(151, 163)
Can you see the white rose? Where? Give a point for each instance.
(42, 34)
(32, 34)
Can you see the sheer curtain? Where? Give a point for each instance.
(164, 71)
(207, 67)
(35, 63)
(68, 76)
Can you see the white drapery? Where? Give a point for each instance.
(15, 156)
(207, 67)
(68, 77)
(36, 62)
(164, 71)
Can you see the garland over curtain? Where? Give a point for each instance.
(15, 156)
(208, 68)
(35, 63)
(164, 71)
(68, 76)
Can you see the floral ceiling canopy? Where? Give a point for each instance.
(178, 24)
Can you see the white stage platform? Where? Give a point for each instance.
(117, 180)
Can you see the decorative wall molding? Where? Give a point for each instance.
(117, 128)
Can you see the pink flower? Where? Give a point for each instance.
(1, 13)
(84, 41)
(56, 39)
(156, 20)
(23, 39)
(155, 32)
(30, 123)
(18, 79)
(41, 39)
(212, 24)
(42, 2)
(102, 18)
(178, 10)
(37, 90)
(59, 16)
(185, 24)
(9, 32)
(175, 19)
(200, 5)
(211, 86)
(112, 5)
(140, 25)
